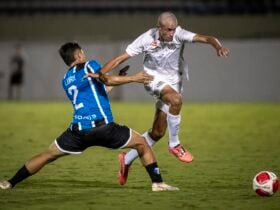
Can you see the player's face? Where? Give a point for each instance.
(167, 31)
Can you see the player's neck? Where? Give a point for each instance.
(76, 63)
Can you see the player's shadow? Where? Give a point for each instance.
(81, 184)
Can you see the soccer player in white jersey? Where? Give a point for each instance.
(162, 48)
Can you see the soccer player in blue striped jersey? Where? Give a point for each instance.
(92, 123)
(89, 98)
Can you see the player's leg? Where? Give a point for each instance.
(10, 87)
(138, 143)
(10, 92)
(152, 136)
(39, 161)
(148, 160)
(174, 99)
(171, 97)
(32, 166)
(160, 124)
(157, 131)
(162, 119)
(17, 92)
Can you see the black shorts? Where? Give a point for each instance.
(16, 78)
(110, 135)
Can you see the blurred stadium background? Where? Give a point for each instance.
(250, 28)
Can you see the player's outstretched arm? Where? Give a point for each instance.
(114, 80)
(221, 51)
(114, 62)
(122, 72)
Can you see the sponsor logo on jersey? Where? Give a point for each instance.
(85, 117)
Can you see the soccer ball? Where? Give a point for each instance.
(265, 183)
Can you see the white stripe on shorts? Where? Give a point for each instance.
(129, 139)
(65, 151)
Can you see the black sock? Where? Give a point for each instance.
(154, 172)
(22, 174)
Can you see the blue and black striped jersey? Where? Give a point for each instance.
(88, 96)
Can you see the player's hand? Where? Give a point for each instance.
(223, 52)
(143, 77)
(123, 71)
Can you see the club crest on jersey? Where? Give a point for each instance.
(154, 45)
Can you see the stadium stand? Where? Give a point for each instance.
(30, 7)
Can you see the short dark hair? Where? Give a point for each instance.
(67, 50)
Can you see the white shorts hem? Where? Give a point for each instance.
(129, 139)
(65, 151)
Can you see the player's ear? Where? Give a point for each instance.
(78, 55)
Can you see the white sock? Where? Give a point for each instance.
(133, 154)
(173, 122)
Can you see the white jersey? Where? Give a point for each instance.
(162, 59)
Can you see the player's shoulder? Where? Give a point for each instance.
(179, 30)
(152, 33)
(69, 72)
(183, 35)
(148, 36)
(94, 64)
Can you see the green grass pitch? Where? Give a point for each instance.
(230, 143)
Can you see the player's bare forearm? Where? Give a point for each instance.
(221, 51)
(103, 78)
(114, 80)
(214, 42)
(114, 62)
(122, 72)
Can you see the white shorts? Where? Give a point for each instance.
(155, 87)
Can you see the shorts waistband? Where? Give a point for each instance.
(97, 123)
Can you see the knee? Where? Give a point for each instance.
(141, 147)
(176, 100)
(49, 156)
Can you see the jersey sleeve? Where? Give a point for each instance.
(184, 35)
(136, 47)
(94, 66)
